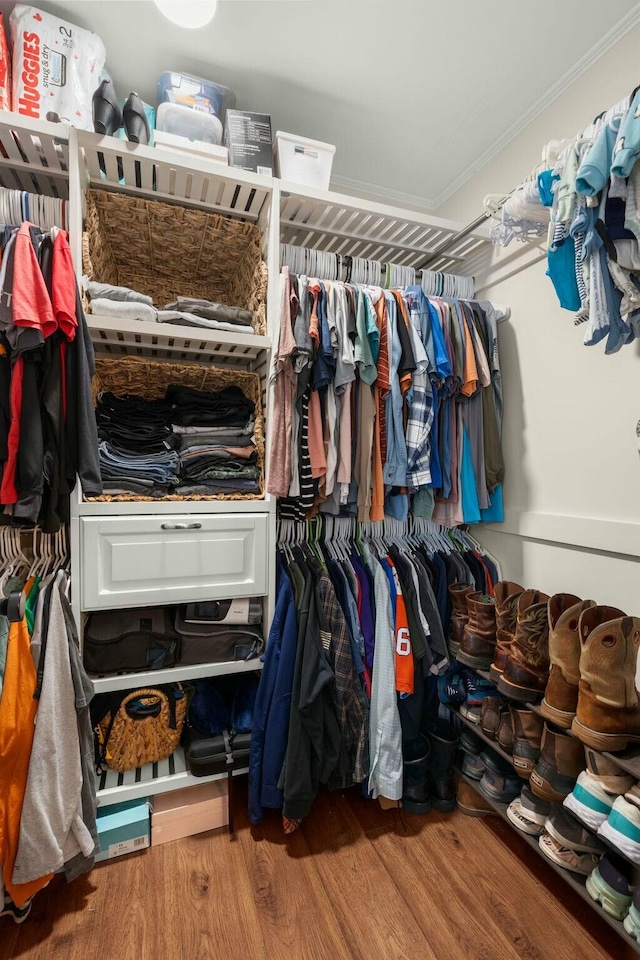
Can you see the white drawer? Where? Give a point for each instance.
(132, 561)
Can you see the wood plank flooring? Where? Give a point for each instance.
(354, 883)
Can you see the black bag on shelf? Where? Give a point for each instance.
(221, 753)
(142, 639)
(205, 641)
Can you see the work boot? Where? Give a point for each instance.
(459, 593)
(608, 713)
(527, 729)
(443, 740)
(507, 595)
(479, 636)
(561, 761)
(527, 671)
(471, 802)
(561, 696)
(415, 794)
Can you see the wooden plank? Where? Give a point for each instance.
(500, 886)
(287, 889)
(203, 900)
(375, 919)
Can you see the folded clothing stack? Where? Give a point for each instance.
(126, 304)
(191, 442)
(217, 453)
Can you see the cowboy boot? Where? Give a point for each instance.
(507, 595)
(525, 676)
(527, 729)
(459, 593)
(479, 635)
(561, 761)
(608, 713)
(561, 696)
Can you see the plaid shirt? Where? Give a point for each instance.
(351, 706)
(421, 412)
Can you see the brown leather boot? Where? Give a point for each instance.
(505, 732)
(561, 696)
(479, 636)
(527, 729)
(470, 802)
(507, 594)
(460, 615)
(608, 713)
(527, 671)
(492, 709)
(561, 762)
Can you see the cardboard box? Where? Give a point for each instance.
(184, 813)
(123, 828)
(248, 139)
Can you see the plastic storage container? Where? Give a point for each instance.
(190, 124)
(304, 161)
(200, 95)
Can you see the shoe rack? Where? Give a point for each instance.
(628, 761)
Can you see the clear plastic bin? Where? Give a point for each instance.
(190, 124)
(202, 96)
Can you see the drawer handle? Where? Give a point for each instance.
(181, 526)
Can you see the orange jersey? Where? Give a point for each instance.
(404, 653)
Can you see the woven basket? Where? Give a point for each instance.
(167, 251)
(133, 743)
(150, 379)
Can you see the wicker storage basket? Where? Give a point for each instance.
(167, 251)
(150, 379)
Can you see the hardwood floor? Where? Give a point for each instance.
(354, 883)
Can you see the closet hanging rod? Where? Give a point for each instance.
(384, 265)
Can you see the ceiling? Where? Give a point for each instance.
(415, 94)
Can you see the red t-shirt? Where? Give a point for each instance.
(63, 287)
(30, 303)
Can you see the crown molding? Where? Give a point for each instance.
(592, 56)
(373, 191)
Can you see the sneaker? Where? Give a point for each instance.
(632, 919)
(533, 808)
(471, 713)
(583, 863)
(609, 886)
(607, 773)
(569, 832)
(477, 688)
(18, 914)
(589, 801)
(519, 819)
(451, 689)
(622, 829)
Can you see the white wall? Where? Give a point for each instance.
(572, 489)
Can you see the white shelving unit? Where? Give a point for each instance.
(170, 774)
(58, 161)
(129, 681)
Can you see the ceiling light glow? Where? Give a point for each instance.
(190, 14)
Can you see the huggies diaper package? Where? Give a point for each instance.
(56, 67)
